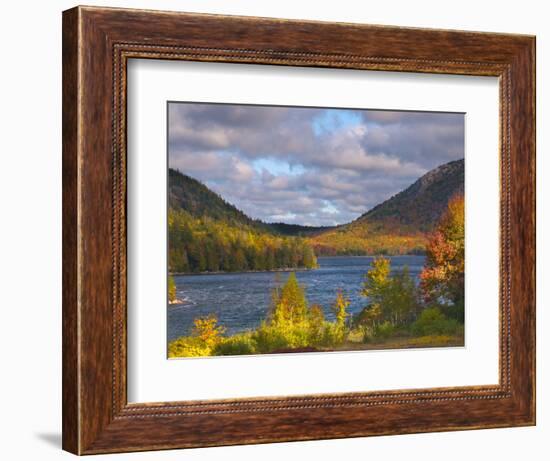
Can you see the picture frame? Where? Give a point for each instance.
(97, 44)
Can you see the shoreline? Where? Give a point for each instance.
(285, 269)
(371, 256)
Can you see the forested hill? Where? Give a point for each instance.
(420, 205)
(188, 194)
(297, 229)
(208, 234)
(198, 200)
(400, 224)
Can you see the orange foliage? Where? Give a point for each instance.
(443, 276)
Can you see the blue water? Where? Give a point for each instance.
(241, 300)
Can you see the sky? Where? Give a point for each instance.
(309, 166)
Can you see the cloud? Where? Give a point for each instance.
(421, 137)
(307, 165)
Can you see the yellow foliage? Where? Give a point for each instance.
(207, 331)
(355, 241)
(206, 335)
(188, 347)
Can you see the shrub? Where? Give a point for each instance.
(384, 330)
(332, 334)
(316, 324)
(368, 332)
(240, 344)
(207, 330)
(188, 346)
(436, 341)
(433, 322)
(206, 335)
(270, 338)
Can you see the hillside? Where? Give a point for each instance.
(208, 234)
(420, 205)
(398, 225)
(188, 194)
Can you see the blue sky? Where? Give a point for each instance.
(277, 166)
(308, 166)
(332, 120)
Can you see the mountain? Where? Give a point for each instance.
(420, 205)
(188, 194)
(400, 224)
(208, 234)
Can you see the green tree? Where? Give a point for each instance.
(400, 303)
(374, 288)
(309, 259)
(391, 298)
(289, 303)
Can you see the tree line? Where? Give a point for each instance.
(211, 245)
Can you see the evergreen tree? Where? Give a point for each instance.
(290, 304)
(340, 308)
(340, 312)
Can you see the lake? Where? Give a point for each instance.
(241, 300)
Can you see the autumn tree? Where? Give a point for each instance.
(206, 329)
(392, 298)
(442, 280)
(339, 308)
(289, 303)
(374, 288)
(316, 322)
(400, 303)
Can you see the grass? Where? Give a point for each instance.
(401, 342)
(246, 344)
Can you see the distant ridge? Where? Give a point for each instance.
(421, 204)
(298, 229)
(400, 224)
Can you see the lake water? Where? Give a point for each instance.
(241, 300)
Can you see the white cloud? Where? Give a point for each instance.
(273, 164)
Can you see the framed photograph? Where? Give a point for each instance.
(281, 230)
